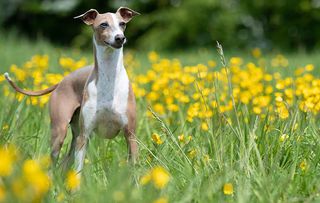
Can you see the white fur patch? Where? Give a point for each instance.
(116, 30)
(106, 107)
(79, 158)
(89, 109)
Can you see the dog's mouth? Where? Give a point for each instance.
(114, 45)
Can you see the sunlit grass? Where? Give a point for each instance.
(243, 131)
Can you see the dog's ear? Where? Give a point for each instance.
(88, 17)
(126, 13)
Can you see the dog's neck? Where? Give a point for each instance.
(108, 61)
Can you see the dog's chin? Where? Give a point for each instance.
(114, 45)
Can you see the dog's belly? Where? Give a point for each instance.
(109, 122)
(105, 120)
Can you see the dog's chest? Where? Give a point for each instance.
(105, 111)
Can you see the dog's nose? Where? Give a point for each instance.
(120, 38)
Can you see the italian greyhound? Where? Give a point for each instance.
(96, 98)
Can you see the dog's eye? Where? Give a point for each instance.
(122, 24)
(104, 25)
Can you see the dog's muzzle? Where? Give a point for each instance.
(119, 41)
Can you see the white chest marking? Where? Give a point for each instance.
(106, 107)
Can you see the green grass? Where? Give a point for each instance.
(16, 50)
(261, 168)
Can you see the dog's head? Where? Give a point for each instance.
(109, 27)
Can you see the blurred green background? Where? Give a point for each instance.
(289, 25)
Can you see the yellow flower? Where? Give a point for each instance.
(5, 127)
(212, 63)
(158, 108)
(256, 52)
(299, 71)
(2, 194)
(268, 77)
(43, 100)
(161, 200)
(173, 107)
(283, 137)
(228, 189)
(86, 161)
(40, 62)
(303, 165)
(184, 139)
(279, 99)
(257, 110)
(139, 92)
(192, 154)
(236, 61)
(73, 180)
(19, 73)
(269, 89)
(283, 112)
(206, 158)
(277, 75)
(19, 97)
(153, 57)
(7, 158)
(2, 78)
(32, 100)
(184, 99)
(38, 78)
(160, 177)
(142, 79)
(81, 63)
(181, 138)
(66, 62)
(145, 179)
(37, 178)
(156, 138)
(279, 61)
(204, 126)
(245, 97)
(53, 79)
(309, 67)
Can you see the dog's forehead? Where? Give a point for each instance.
(111, 18)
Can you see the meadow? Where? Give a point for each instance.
(239, 127)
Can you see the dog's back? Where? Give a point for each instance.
(74, 82)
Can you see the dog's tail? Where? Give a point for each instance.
(27, 92)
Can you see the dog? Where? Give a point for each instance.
(97, 98)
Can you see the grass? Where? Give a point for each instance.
(259, 166)
(16, 50)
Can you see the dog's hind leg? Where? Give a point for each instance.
(132, 144)
(62, 108)
(130, 128)
(75, 128)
